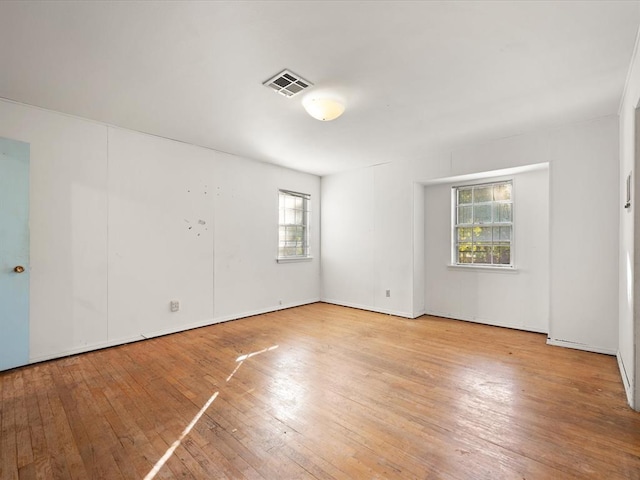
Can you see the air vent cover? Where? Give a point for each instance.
(287, 83)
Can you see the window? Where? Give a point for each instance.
(483, 224)
(293, 232)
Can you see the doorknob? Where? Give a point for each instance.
(19, 269)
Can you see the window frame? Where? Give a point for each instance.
(305, 224)
(454, 260)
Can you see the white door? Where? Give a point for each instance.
(14, 253)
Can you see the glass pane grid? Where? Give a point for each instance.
(483, 224)
(293, 217)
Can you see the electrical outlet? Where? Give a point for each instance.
(174, 305)
(388, 293)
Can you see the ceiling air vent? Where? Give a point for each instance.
(287, 83)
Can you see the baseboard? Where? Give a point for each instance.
(483, 321)
(251, 313)
(166, 331)
(580, 346)
(368, 308)
(626, 381)
(85, 348)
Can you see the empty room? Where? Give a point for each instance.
(319, 239)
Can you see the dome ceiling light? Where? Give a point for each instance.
(323, 108)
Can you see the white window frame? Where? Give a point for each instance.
(291, 219)
(455, 225)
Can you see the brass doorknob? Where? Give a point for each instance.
(19, 269)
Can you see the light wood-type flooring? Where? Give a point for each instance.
(322, 391)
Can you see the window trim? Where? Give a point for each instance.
(454, 204)
(294, 259)
(306, 224)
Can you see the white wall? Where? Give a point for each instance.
(365, 246)
(161, 222)
(419, 250)
(110, 239)
(392, 259)
(516, 298)
(583, 308)
(584, 236)
(248, 280)
(629, 291)
(348, 239)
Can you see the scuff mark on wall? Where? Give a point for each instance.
(198, 227)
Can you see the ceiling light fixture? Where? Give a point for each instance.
(323, 108)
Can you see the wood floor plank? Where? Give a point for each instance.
(23, 436)
(40, 466)
(323, 392)
(124, 420)
(54, 447)
(8, 433)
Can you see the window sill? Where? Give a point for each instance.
(293, 259)
(491, 268)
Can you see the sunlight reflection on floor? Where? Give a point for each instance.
(160, 463)
(287, 392)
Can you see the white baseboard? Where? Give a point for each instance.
(483, 321)
(165, 331)
(626, 381)
(84, 349)
(251, 313)
(580, 346)
(368, 308)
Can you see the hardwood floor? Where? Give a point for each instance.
(322, 392)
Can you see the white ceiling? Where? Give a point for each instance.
(417, 77)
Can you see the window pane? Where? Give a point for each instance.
(464, 195)
(465, 235)
(290, 235)
(482, 234)
(482, 194)
(465, 214)
(502, 191)
(501, 234)
(299, 217)
(482, 214)
(465, 254)
(290, 202)
(289, 216)
(482, 254)
(502, 212)
(502, 254)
